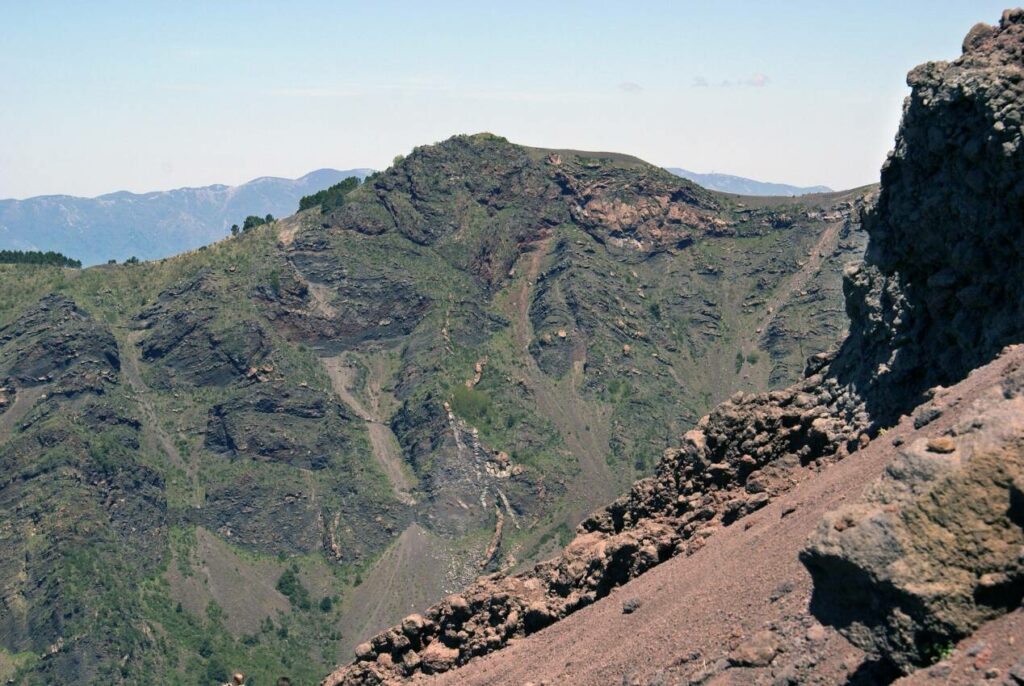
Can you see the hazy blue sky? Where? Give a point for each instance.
(101, 96)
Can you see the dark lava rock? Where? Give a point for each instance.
(190, 339)
(56, 342)
(275, 422)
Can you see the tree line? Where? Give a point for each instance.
(250, 223)
(330, 198)
(51, 258)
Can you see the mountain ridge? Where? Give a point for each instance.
(377, 400)
(739, 185)
(886, 486)
(154, 224)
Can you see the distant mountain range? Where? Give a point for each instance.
(727, 183)
(159, 224)
(151, 225)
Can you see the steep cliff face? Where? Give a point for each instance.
(936, 544)
(939, 292)
(937, 295)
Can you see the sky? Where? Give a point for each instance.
(101, 96)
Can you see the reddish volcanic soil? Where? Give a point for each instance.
(736, 611)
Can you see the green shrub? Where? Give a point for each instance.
(330, 198)
(470, 404)
(252, 221)
(290, 586)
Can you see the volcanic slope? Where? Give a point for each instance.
(860, 525)
(356, 409)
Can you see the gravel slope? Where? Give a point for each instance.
(740, 599)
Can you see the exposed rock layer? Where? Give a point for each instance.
(939, 294)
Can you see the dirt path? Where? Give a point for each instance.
(562, 402)
(156, 439)
(386, 449)
(24, 400)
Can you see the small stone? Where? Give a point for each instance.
(816, 633)
(941, 444)
(926, 416)
(982, 658)
(630, 605)
(783, 589)
(993, 579)
(413, 624)
(437, 657)
(757, 651)
(458, 604)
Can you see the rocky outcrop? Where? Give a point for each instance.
(57, 344)
(937, 545)
(187, 333)
(273, 422)
(937, 548)
(939, 292)
(644, 215)
(329, 296)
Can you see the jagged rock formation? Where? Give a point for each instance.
(937, 295)
(935, 548)
(943, 552)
